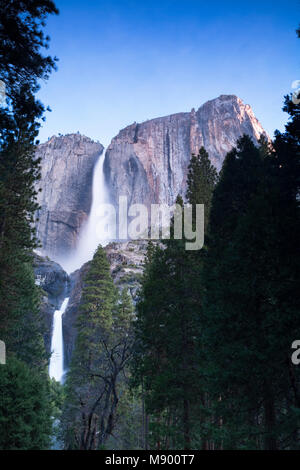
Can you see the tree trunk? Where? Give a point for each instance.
(186, 425)
(270, 419)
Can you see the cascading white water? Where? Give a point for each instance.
(56, 367)
(93, 232)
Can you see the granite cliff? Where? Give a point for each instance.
(67, 164)
(148, 162)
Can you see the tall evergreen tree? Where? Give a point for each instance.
(168, 331)
(201, 181)
(24, 407)
(102, 350)
(250, 310)
(22, 65)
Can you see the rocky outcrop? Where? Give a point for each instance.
(148, 162)
(54, 283)
(67, 164)
(127, 264)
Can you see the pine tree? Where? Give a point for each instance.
(24, 408)
(22, 66)
(168, 353)
(201, 181)
(250, 307)
(102, 349)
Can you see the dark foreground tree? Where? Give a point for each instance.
(24, 407)
(201, 181)
(168, 352)
(251, 308)
(22, 65)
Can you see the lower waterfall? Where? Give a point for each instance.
(56, 366)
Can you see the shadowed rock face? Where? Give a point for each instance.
(67, 164)
(148, 162)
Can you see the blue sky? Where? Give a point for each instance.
(125, 61)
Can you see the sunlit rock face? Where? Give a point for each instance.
(148, 162)
(67, 164)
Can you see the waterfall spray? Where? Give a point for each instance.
(56, 367)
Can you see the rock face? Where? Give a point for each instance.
(67, 164)
(55, 284)
(148, 162)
